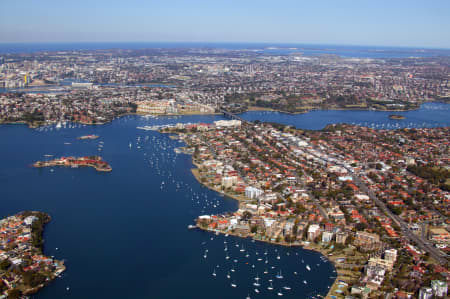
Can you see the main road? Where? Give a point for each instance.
(421, 243)
(406, 232)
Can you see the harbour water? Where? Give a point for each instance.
(429, 115)
(124, 234)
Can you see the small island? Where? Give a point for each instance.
(396, 116)
(74, 162)
(24, 269)
(91, 137)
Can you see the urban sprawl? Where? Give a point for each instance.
(96, 86)
(375, 202)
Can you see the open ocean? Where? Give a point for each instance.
(124, 234)
(270, 48)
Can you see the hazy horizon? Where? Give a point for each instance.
(412, 24)
(254, 43)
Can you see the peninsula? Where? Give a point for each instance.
(24, 269)
(88, 161)
(343, 191)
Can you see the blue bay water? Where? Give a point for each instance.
(429, 115)
(124, 234)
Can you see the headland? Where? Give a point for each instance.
(295, 190)
(24, 269)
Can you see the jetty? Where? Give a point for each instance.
(88, 137)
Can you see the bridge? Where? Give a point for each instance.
(233, 116)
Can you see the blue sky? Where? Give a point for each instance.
(410, 23)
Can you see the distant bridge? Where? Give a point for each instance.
(233, 116)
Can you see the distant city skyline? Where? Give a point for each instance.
(383, 23)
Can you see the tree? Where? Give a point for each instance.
(396, 210)
(4, 264)
(305, 232)
(300, 208)
(349, 240)
(133, 106)
(246, 215)
(33, 279)
(14, 294)
(288, 238)
(361, 226)
(295, 229)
